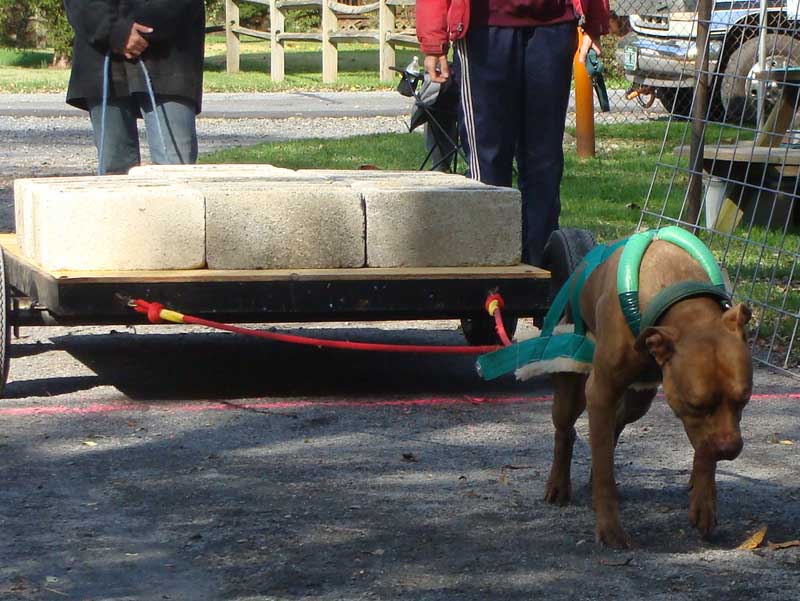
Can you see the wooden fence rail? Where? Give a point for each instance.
(387, 36)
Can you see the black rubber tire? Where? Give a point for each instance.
(564, 250)
(739, 105)
(480, 331)
(5, 324)
(677, 101)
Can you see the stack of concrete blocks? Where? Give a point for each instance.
(263, 217)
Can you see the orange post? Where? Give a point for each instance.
(584, 107)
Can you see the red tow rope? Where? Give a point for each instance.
(157, 313)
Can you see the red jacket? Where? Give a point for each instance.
(442, 21)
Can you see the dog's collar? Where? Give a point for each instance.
(674, 294)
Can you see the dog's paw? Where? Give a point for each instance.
(558, 490)
(612, 536)
(703, 513)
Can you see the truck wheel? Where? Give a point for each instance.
(564, 250)
(677, 101)
(5, 323)
(480, 331)
(739, 88)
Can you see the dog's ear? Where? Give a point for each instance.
(735, 318)
(659, 342)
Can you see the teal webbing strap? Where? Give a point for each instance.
(592, 261)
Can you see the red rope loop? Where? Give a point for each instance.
(152, 310)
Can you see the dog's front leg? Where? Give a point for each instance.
(602, 397)
(569, 401)
(703, 496)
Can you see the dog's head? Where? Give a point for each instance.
(708, 378)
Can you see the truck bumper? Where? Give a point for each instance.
(662, 62)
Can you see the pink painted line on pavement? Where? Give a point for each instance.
(61, 410)
(265, 405)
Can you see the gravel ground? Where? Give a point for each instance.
(42, 146)
(162, 463)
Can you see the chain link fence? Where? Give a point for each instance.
(729, 166)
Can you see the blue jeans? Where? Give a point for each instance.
(121, 149)
(515, 85)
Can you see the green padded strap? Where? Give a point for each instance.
(628, 277)
(631, 260)
(676, 293)
(698, 251)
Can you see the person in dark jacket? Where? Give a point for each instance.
(515, 68)
(168, 36)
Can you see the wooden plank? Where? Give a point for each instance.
(253, 33)
(357, 36)
(298, 4)
(231, 37)
(747, 153)
(403, 38)
(9, 244)
(386, 53)
(294, 36)
(277, 63)
(330, 53)
(347, 9)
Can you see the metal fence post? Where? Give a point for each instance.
(231, 37)
(694, 193)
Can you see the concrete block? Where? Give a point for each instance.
(23, 205)
(222, 172)
(442, 226)
(117, 226)
(291, 226)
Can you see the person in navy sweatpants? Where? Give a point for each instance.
(516, 66)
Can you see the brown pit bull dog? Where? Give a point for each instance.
(706, 373)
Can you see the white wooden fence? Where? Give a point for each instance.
(387, 36)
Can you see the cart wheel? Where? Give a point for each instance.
(564, 250)
(5, 324)
(480, 331)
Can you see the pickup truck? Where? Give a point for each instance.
(658, 55)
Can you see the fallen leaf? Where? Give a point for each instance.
(633, 206)
(615, 563)
(785, 442)
(784, 545)
(410, 457)
(754, 541)
(503, 479)
(90, 443)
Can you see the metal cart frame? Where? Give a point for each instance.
(32, 296)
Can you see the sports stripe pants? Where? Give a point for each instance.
(515, 85)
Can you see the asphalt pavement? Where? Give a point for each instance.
(284, 105)
(163, 462)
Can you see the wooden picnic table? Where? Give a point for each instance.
(741, 172)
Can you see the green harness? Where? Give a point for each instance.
(573, 351)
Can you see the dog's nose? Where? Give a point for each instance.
(727, 446)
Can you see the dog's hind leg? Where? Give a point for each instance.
(635, 403)
(569, 401)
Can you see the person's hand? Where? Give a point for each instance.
(136, 43)
(434, 61)
(587, 43)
